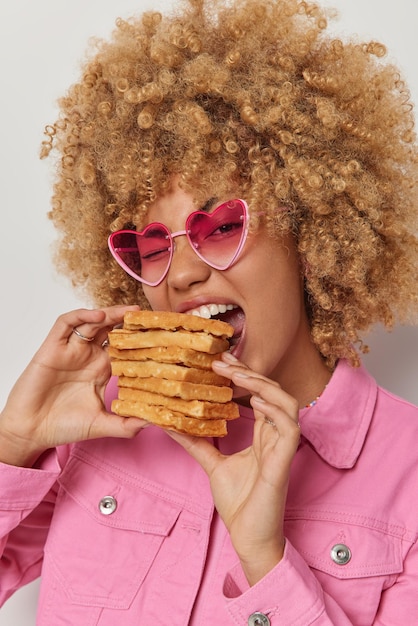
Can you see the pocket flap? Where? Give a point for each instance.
(117, 501)
(345, 550)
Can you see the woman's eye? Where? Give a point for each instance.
(153, 255)
(225, 229)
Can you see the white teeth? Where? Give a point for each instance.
(210, 310)
(204, 311)
(214, 309)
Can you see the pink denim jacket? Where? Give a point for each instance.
(124, 532)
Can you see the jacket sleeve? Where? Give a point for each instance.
(291, 594)
(27, 498)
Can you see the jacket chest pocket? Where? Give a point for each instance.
(104, 536)
(354, 562)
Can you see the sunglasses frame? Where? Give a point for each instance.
(171, 236)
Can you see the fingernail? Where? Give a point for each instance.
(229, 358)
(240, 374)
(219, 364)
(257, 400)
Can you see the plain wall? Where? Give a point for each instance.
(41, 45)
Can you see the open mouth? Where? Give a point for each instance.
(230, 313)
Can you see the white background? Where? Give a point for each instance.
(41, 45)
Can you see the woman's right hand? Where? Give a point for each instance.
(59, 397)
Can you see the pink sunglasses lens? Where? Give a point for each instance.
(218, 237)
(145, 255)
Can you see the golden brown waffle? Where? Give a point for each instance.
(163, 361)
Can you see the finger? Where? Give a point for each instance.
(80, 335)
(255, 383)
(88, 323)
(271, 404)
(269, 392)
(227, 367)
(112, 425)
(82, 319)
(113, 317)
(228, 364)
(273, 414)
(200, 449)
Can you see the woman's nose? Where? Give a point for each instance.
(186, 267)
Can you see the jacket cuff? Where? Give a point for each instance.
(22, 487)
(289, 594)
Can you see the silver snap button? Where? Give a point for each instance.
(258, 619)
(108, 505)
(340, 554)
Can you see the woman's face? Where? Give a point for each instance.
(264, 286)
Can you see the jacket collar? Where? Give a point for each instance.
(337, 425)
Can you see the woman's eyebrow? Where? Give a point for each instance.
(209, 204)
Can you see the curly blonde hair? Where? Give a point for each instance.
(257, 92)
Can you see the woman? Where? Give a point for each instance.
(306, 512)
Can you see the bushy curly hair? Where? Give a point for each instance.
(257, 92)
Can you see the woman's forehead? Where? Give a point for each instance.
(178, 196)
(181, 205)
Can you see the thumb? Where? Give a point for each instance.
(200, 449)
(112, 425)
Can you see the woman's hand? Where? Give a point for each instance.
(250, 487)
(59, 397)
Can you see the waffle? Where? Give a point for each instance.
(163, 363)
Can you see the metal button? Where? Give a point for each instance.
(340, 554)
(108, 505)
(258, 619)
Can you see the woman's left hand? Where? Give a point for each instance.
(250, 487)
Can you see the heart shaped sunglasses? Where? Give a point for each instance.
(217, 238)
